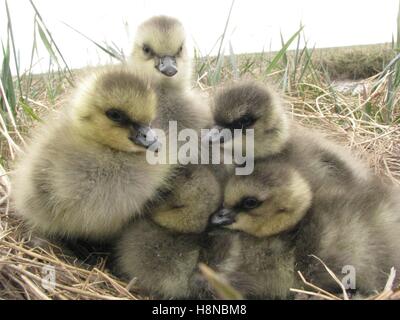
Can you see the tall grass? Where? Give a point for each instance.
(17, 90)
(393, 70)
(300, 72)
(111, 49)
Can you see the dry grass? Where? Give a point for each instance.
(356, 120)
(23, 266)
(342, 118)
(344, 63)
(355, 62)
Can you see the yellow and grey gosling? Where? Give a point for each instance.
(360, 230)
(85, 174)
(160, 53)
(163, 251)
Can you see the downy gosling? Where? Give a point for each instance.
(251, 105)
(163, 251)
(85, 174)
(160, 53)
(360, 230)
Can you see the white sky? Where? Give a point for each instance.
(254, 24)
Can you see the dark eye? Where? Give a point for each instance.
(250, 203)
(180, 50)
(147, 50)
(246, 121)
(116, 115)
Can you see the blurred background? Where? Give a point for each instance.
(254, 26)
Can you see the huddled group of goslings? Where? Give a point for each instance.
(85, 176)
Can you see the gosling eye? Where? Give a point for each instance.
(180, 51)
(246, 121)
(117, 116)
(147, 50)
(250, 203)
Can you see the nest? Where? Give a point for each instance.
(25, 268)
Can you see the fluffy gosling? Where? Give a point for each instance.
(85, 174)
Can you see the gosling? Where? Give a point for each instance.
(160, 53)
(85, 174)
(360, 230)
(250, 105)
(163, 251)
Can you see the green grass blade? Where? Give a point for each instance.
(46, 42)
(398, 28)
(232, 58)
(29, 71)
(307, 63)
(285, 79)
(11, 33)
(313, 70)
(39, 16)
(278, 57)
(29, 111)
(7, 80)
(216, 75)
(284, 56)
(111, 52)
(225, 29)
(205, 60)
(248, 66)
(297, 57)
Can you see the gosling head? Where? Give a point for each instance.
(196, 195)
(249, 105)
(115, 108)
(160, 52)
(272, 200)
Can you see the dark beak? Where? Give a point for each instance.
(167, 66)
(144, 136)
(223, 217)
(217, 134)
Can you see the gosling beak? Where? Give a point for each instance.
(217, 134)
(145, 136)
(223, 217)
(167, 66)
